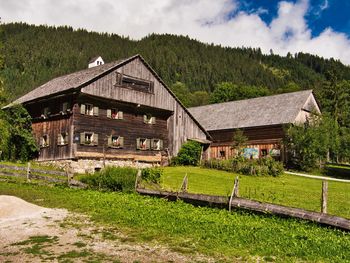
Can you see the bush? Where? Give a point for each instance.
(259, 167)
(112, 179)
(152, 175)
(189, 154)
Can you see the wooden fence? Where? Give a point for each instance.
(39, 174)
(234, 201)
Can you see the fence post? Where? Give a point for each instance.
(138, 176)
(324, 197)
(234, 193)
(28, 172)
(184, 184)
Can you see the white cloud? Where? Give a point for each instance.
(205, 20)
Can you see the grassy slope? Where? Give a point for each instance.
(188, 229)
(286, 190)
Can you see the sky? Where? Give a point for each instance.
(320, 27)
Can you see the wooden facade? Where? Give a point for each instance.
(78, 123)
(267, 140)
(263, 121)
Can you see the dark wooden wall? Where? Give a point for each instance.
(131, 127)
(266, 137)
(54, 125)
(180, 125)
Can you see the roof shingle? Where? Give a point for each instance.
(262, 111)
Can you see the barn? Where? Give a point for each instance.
(119, 112)
(262, 121)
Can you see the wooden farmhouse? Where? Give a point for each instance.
(262, 121)
(115, 111)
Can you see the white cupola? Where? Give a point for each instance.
(96, 61)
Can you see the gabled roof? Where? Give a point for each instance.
(262, 111)
(70, 81)
(81, 78)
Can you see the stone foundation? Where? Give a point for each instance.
(90, 165)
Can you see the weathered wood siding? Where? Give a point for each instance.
(262, 138)
(131, 127)
(180, 125)
(55, 124)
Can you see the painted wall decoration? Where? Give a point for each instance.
(275, 152)
(251, 153)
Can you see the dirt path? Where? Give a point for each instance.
(30, 233)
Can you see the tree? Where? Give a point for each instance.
(181, 92)
(239, 140)
(21, 144)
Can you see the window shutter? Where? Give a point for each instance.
(153, 120)
(160, 144)
(41, 141)
(148, 142)
(138, 143)
(120, 115)
(59, 142)
(66, 138)
(153, 146)
(145, 118)
(118, 78)
(121, 141)
(82, 108)
(82, 137)
(109, 140)
(95, 139)
(109, 113)
(64, 106)
(47, 140)
(95, 111)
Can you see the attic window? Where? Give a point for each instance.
(134, 83)
(149, 119)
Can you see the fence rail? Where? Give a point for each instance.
(32, 170)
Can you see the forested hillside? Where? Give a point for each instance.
(36, 54)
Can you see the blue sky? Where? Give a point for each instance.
(320, 27)
(321, 13)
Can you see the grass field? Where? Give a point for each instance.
(238, 236)
(286, 190)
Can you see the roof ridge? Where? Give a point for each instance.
(267, 96)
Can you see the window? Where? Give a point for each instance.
(263, 152)
(44, 141)
(45, 113)
(149, 119)
(134, 83)
(157, 144)
(222, 154)
(115, 141)
(89, 138)
(62, 138)
(89, 109)
(65, 107)
(143, 144)
(114, 114)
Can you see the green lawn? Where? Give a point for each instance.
(229, 237)
(287, 190)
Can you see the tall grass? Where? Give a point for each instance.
(112, 179)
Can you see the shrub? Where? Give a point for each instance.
(152, 175)
(112, 179)
(259, 167)
(189, 154)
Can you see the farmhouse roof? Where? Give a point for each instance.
(69, 81)
(262, 111)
